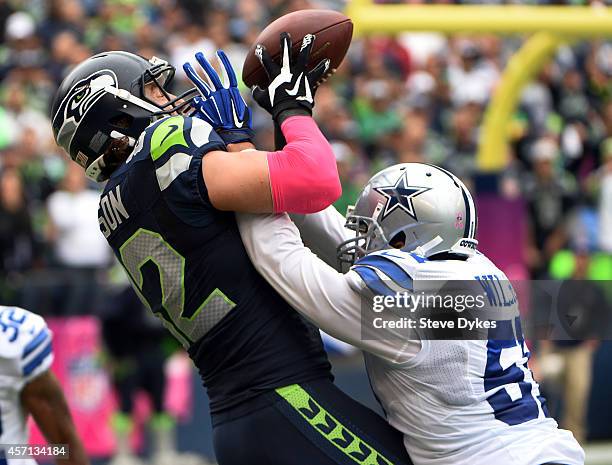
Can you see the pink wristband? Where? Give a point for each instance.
(304, 175)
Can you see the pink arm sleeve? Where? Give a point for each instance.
(303, 176)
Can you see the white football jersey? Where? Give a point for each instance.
(465, 401)
(25, 352)
(456, 402)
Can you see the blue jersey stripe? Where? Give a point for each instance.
(36, 342)
(395, 272)
(372, 280)
(36, 361)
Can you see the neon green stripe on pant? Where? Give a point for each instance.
(330, 428)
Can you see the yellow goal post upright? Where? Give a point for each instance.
(549, 26)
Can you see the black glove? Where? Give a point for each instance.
(279, 137)
(291, 89)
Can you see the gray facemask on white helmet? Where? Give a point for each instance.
(422, 206)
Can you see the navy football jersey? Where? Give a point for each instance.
(186, 261)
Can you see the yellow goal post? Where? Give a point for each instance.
(549, 26)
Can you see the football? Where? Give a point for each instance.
(333, 32)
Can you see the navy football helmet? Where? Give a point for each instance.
(103, 99)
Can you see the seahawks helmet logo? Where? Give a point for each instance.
(78, 101)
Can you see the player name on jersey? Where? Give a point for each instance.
(113, 211)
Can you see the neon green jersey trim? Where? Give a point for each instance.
(303, 403)
(167, 134)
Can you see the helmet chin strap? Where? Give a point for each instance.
(129, 97)
(157, 111)
(423, 249)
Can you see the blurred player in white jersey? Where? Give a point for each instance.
(27, 386)
(457, 402)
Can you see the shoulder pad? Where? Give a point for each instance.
(26, 340)
(179, 133)
(387, 272)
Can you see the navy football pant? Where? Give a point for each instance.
(312, 423)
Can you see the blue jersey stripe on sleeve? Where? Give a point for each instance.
(372, 280)
(41, 337)
(390, 268)
(37, 361)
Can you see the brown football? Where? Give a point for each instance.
(333, 32)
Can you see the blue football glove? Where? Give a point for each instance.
(222, 107)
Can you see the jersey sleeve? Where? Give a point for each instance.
(317, 291)
(26, 348)
(177, 147)
(383, 273)
(322, 232)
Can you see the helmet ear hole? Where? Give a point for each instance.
(122, 121)
(398, 241)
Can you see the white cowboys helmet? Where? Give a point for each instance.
(416, 207)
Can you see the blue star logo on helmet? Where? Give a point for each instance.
(400, 196)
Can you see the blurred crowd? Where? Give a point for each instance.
(411, 97)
